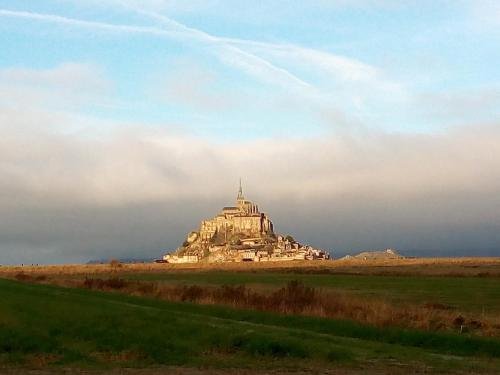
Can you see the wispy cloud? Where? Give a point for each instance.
(461, 106)
(230, 55)
(330, 81)
(485, 13)
(192, 85)
(83, 23)
(266, 62)
(346, 68)
(68, 85)
(331, 70)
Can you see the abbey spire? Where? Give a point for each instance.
(240, 192)
(240, 199)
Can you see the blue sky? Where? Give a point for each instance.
(365, 107)
(257, 69)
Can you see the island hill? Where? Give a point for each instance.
(241, 233)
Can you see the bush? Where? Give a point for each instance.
(231, 294)
(113, 283)
(294, 297)
(191, 293)
(115, 263)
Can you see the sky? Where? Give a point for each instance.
(355, 125)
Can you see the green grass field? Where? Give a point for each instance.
(474, 294)
(53, 327)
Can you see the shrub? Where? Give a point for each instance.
(115, 263)
(294, 297)
(191, 293)
(113, 283)
(231, 294)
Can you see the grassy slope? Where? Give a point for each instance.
(475, 294)
(49, 325)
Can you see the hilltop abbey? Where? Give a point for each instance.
(243, 218)
(240, 233)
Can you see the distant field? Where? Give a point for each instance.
(482, 267)
(465, 284)
(464, 293)
(43, 326)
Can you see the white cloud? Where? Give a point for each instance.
(320, 79)
(461, 106)
(159, 5)
(94, 25)
(134, 190)
(68, 75)
(42, 150)
(485, 13)
(231, 53)
(144, 165)
(193, 85)
(333, 74)
(69, 85)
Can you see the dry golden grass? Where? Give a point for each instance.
(417, 266)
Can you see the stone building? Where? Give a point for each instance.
(244, 217)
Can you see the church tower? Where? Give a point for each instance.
(240, 199)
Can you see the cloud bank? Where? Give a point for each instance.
(135, 192)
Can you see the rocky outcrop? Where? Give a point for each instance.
(375, 255)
